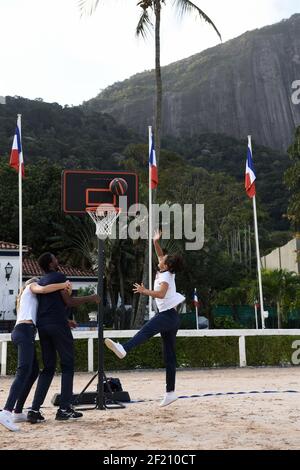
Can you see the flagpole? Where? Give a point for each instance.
(262, 310)
(150, 224)
(20, 210)
(196, 306)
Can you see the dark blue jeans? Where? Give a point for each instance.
(167, 324)
(23, 337)
(55, 338)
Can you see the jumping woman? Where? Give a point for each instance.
(165, 322)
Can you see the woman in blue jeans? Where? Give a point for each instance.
(165, 322)
(23, 337)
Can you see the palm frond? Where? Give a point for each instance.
(144, 25)
(87, 7)
(186, 6)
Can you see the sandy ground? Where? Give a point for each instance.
(260, 421)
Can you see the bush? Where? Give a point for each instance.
(191, 352)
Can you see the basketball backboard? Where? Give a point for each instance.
(84, 190)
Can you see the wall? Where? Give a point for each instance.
(284, 257)
(8, 289)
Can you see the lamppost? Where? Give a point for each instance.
(8, 270)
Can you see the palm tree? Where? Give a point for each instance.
(281, 290)
(145, 24)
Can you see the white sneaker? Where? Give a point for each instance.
(117, 348)
(19, 417)
(169, 397)
(6, 419)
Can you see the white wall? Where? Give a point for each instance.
(284, 257)
(8, 289)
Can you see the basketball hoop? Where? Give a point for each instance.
(104, 216)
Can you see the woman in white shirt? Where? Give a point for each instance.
(23, 337)
(165, 322)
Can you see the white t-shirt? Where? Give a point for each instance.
(172, 298)
(28, 306)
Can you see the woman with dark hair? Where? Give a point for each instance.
(165, 322)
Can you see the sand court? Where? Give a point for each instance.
(241, 421)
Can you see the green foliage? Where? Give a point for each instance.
(292, 180)
(72, 136)
(231, 296)
(269, 350)
(191, 352)
(81, 312)
(226, 323)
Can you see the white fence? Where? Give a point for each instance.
(91, 335)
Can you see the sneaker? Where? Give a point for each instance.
(6, 419)
(19, 417)
(117, 348)
(169, 397)
(69, 413)
(34, 417)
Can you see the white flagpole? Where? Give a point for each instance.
(262, 310)
(20, 208)
(196, 306)
(150, 224)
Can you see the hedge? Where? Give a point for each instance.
(191, 352)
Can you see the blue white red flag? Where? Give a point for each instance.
(195, 299)
(16, 156)
(250, 176)
(152, 162)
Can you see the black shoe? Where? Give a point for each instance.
(69, 413)
(34, 417)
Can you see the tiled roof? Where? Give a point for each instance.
(11, 246)
(31, 268)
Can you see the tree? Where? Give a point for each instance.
(292, 180)
(281, 290)
(150, 7)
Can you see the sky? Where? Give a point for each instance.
(50, 51)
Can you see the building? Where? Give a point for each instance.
(285, 257)
(9, 277)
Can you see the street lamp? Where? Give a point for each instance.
(8, 270)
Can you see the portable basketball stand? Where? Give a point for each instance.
(82, 191)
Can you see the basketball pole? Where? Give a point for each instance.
(100, 397)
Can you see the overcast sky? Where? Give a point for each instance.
(48, 51)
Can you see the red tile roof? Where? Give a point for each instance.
(31, 268)
(11, 246)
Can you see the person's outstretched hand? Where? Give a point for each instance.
(157, 235)
(138, 288)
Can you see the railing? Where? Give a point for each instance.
(91, 335)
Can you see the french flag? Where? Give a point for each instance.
(250, 175)
(16, 156)
(195, 300)
(152, 161)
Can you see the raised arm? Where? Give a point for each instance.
(37, 289)
(158, 250)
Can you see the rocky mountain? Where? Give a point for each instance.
(241, 87)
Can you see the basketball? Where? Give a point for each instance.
(118, 186)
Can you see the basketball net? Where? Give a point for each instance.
(104, 216)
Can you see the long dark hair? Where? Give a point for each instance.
(174, 263)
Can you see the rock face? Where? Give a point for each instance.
(241, 87)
